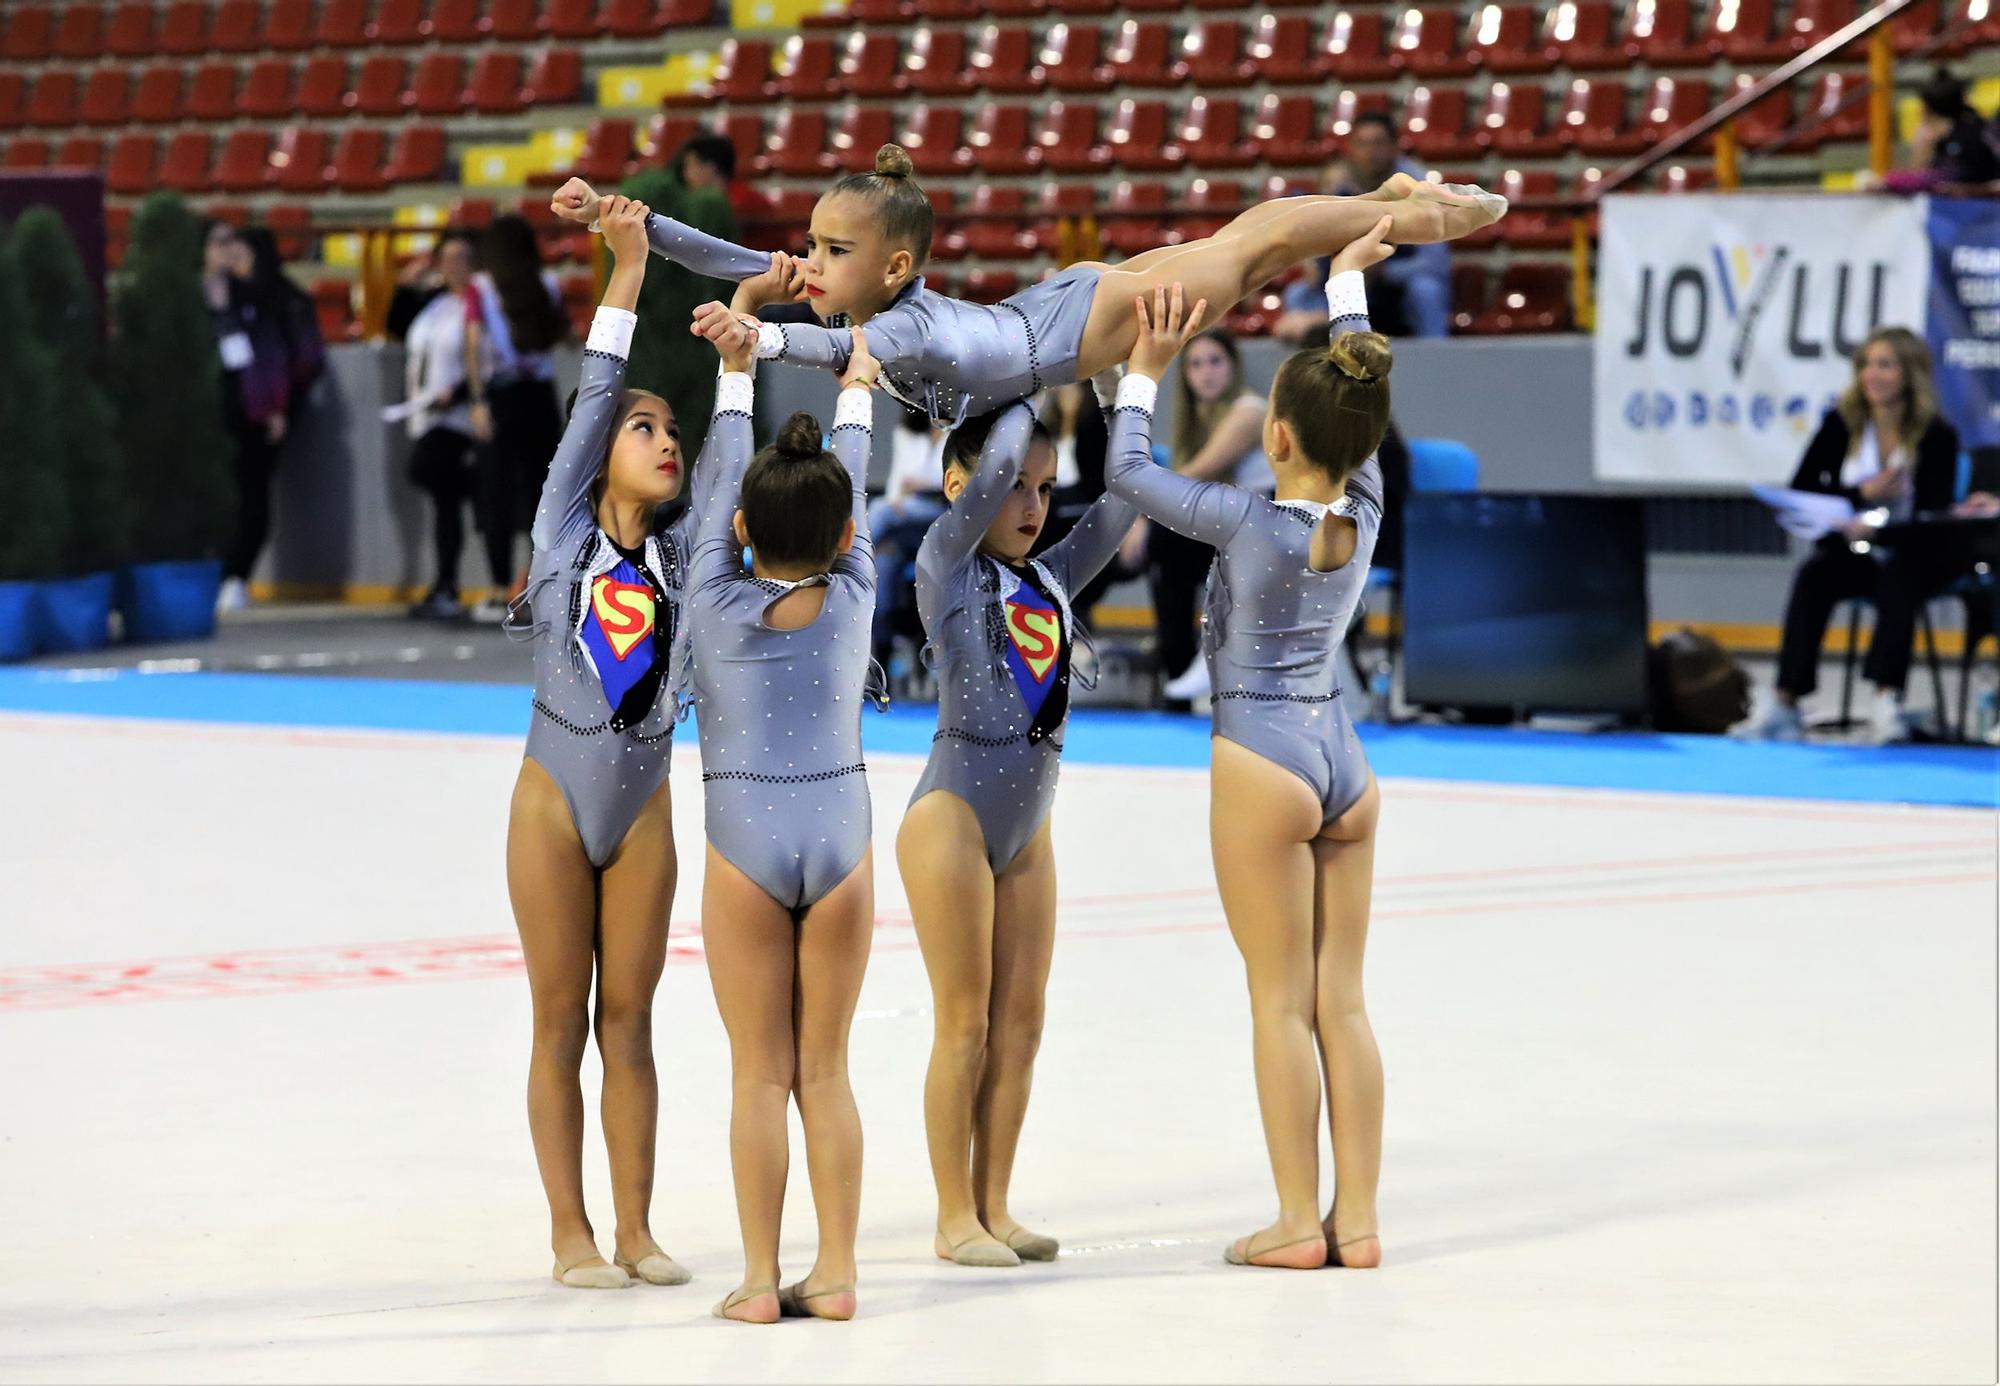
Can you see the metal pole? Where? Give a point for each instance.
(1881, 100)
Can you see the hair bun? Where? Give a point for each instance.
(799, 438)
(893, 161)
(1364, 356)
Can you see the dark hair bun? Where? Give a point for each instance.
(799, 438)
(1364, 356)
(892, 161)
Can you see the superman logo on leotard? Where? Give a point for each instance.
(1034, 643)
(618, 630)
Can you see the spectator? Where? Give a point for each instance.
(1218, 436)
(1884, 448)
(439, 396)
(515, 320)
(899, 519)
(1951, 148)
(709, 161)
(1409, 294)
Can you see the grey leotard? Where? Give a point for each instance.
(1274, 624)
(779, 711)
(606, 628)
(942, 355)
(1004, 639)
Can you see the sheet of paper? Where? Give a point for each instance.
(1805, 514)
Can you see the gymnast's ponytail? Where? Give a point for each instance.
(1335, 400)
(796, 498)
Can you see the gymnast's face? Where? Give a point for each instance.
(645, 463)
(1026, 509)
(850, 267)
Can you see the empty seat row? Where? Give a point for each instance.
(359, 158)
(84, 29)
(1353, 44)
(497, 82)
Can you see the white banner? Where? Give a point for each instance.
(1726, 325)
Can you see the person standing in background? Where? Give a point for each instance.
(708, 162)
(439, 398)
(515, 320)
(899, 519)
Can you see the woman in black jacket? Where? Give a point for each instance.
(1884, 448)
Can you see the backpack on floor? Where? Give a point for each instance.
(1696, 686)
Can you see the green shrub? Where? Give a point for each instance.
(32, 517)
(665, 359)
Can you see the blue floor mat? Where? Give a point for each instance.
(1703, 764)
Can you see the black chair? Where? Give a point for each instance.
(1853, 657)
(1979, 590)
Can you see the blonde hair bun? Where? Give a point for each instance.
(893, 161)
(1363, 356)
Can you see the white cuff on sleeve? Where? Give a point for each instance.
(1346, 295)
(855, 407)
(1138, 392)
(770, 340)
(611, 332)
(1105, 386)
(735, 392)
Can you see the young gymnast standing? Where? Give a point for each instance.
(974, 846)
(871, 234)
(590, 844)
(1294, 806)
(780, 661)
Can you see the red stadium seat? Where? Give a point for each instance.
(291, 223)
(30, 34)
(156, 95)
(1004, 60)
(933, 138)
(287, 26)
(323, 86)
(994, 225)
(211, 93)
(1813, 21)
(1742, 31)
(1072, 58)
(666, 134)
(298, 164)
(80, 151)
(1135, 219)
(1683, 178)
(629, 18)
(184, 166)
(451, 21)
(133, 164)
(1468, 294)
(245, 165)
(104, 96)
(571, 19)
(1083, 7)
(1212, 56)
(1510, 122)
(742, 72)
(1287, 130)
(129, 31)
(1350, 106)
(1059, 203)
(745, 132)
(418, 155)
(1577, 34)
(1670, 103)
(869, 13)
(52, 98)
(511, 21)
(862, 130)
(1836, 110)
(342, 24)
(495, 85)
(1530, 298)
(1012, 9)
(1531, 228)
(946, 9)
(555, 78)
(990, 286)
(684, 14)
(397, 22)
(1139, 137)
(797, 143)
(936, 63)
(1766, 119)
(806, 69)
(13, 98)
(999, 142)
(381, 87)
(26, 152)
(184, 28)
(606, 153)
(1976, 22)
(1281, 50)
(1068, 138)
(1141, 55)
(1661, 32)
(237, 28)
(1355, 47)
(1434, 124)
(357, 160)
(267, 90)
(1593, 118)
(1501, 38)
(333, 305)
(1217, 202)
(1425, 42)
(79, 30)
(1211, 134)
(871, 65)
(438, 88)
